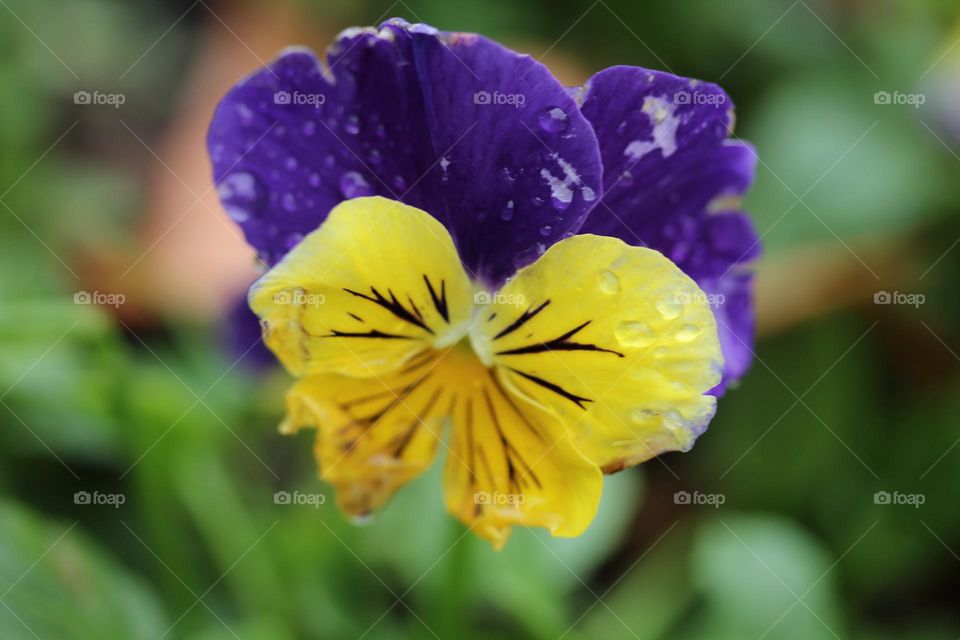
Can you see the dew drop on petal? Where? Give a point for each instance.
(352, 125)
(608, 282)
(634, 334)
(687, 333)
(242, 195)
(289, 202)
(399, 182)
(309, 128)
(354, 185)
(507, 213)
(292, 240)
(314, 180)
(554, 120)
(546, 230)
(669, 307)
(290, 163)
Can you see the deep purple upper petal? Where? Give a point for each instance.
(673, 181)
(482, 138)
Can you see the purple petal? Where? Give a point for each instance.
(243, 340)
(482, 138)
(673, 182)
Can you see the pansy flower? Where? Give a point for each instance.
(543, 284)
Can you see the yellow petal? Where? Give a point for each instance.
(615, 341)
(373, 434)
(374, 285)
(511, 463)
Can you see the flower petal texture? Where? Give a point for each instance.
(483, 138)
(376, 284)
(615, 341)
(512, 463)
(673, 182)
(373, 434)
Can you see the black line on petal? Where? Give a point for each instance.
(355, 316)
(557, 389)
(439, 302)
(519, 322)
(373, 333)
(394, 306)
(560, 343)
(417, 423)
(509, 400)
(372, 420)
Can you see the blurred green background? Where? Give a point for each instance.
(138, 454)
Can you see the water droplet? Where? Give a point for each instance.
(289, 202)
(507, 213)
(314, 179)
(354, 185)
(608, 282)
(399, 183)
(375, 157)
(290, 163)
(537, 201)
(546, 230)
(242, 195)
(634, 334)
(352, 125)
(669, 307)
(292, 240)
(687, 333)
(554, 120)
(309, 128)
(245, 113)
(508, 175)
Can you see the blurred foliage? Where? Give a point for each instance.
(857, 402)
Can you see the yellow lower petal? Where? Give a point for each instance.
(511, 463)
(374, 434)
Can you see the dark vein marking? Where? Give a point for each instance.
(557, 389)
(509, 452)
(371, 421)
(355, 316)
(416, 423)
(492, 316)
(523, 418)
(373, 333)
(470, 443)
(394, 306)
(519, 322)
(560, 343)
(439, 302)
